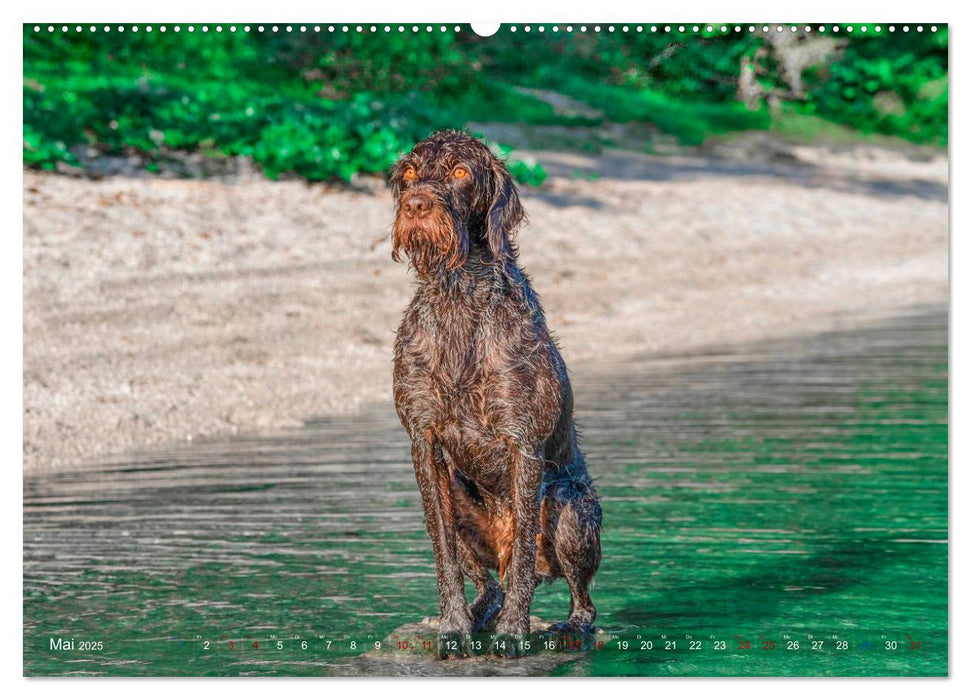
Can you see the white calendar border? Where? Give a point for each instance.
(604, 11)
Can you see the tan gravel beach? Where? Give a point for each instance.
(159, 310)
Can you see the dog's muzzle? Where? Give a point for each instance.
(417, 205)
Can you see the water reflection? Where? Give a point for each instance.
(798, 487)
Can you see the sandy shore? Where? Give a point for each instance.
(160, 310)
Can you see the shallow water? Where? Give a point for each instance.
(788, 500)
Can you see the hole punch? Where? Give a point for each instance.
(485, 28)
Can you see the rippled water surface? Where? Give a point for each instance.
(789, 500)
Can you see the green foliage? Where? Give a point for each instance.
(691, 122)
(891, 84)
(44, 153)
(235, 94)
(345, 63)
(525, 173)
(701, 67)
(316, 139)
(155, 93)
(329, 105)
(684, 86)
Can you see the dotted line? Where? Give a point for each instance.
(513, 28)
(205, 28)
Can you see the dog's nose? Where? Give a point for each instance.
(417, 205)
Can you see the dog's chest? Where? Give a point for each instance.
(463, 361)
(475, 371)
(453, 367)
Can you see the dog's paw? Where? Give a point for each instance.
(571, 628)
(571, 635)
(511, 646)
(454, 633)
(511, 639)
(453, 645)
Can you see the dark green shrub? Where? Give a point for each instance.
(329, 105)
(891, 83)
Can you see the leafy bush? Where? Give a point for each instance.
(219, 94)
(343, 63)
(892, 84)
(687, 85)
(155, 93)
(703, 67)
(316, 139)
(330, 105)
(523, 172)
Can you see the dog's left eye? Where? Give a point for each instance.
(460, 173)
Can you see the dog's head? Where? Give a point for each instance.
(453, 196)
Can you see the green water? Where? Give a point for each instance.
(787, 500)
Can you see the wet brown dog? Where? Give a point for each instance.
(484, 395)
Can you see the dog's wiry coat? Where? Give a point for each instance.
(483, 392)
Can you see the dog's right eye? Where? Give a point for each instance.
(410, 175)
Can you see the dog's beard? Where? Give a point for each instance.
(435, 242)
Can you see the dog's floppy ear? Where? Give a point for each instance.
(505, 214)
(396, 178)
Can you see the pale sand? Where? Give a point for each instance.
(161, 310)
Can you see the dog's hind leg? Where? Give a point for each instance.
(489, 594)
(475, 558)
(577, 546)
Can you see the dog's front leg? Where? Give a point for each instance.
(526, 472)
(432, 475)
